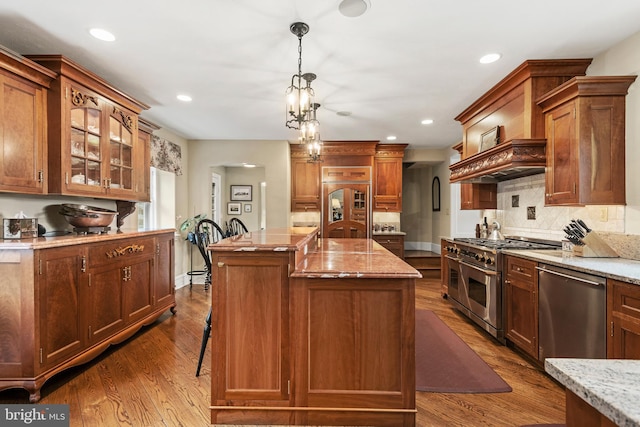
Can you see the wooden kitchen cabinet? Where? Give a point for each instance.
(478, 196)
(305, 181)
(145, 131)
(23, 125)
(393, 243)
(74, 297)
(623, 317)
(93, 144)
(521, 302)
(585, 131)
(62, 287)
(387, 177)
(121, 271)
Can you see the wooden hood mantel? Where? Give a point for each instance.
(511, 107)
(507, 160)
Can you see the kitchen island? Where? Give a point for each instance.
(310, 331)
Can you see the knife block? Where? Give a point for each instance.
(594, 247)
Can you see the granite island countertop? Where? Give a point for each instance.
(611, 386)
(626, 270)
(357, 258)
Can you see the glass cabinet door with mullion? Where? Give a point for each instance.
(121, 152)
(85, 149)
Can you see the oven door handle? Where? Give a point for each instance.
(482, 270)
(452, 258)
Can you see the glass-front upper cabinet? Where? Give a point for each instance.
(85, 134)
(103, 147)
(94, 149)
(121, 153)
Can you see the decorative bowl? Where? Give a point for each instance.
(87, 216)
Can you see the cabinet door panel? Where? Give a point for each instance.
(387, 184)
(521, 302)
(138, 289)
(362, 321)
(562, 156)
(61, 287)
(623, 315)
(305, 185)
(21, 136)
(257, 285)
(105, 285)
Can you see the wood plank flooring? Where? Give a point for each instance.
(150, 379)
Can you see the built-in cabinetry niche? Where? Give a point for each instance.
(386, 160)
(93, 145)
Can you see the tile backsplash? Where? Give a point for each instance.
(521, 212)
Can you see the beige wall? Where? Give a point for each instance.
(624, 59)
(272, 156)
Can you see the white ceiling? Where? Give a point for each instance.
(400, 62)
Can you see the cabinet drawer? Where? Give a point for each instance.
(624, 298)
(388, 240)
(522, 269)
(118, 250)
(305, 205)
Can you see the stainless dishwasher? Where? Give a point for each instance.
(571, 314)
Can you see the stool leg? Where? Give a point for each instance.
(205, 338)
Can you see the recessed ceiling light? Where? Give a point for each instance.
(248, 165)
(391, 138)
(101, 34)
(353, 8)
(184, 98)
(489, 58)
(427, 121)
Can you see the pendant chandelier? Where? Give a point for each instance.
(301, 108)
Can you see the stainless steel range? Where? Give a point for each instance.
(475, 277)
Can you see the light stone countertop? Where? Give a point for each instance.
(626, 270)
(611, 386)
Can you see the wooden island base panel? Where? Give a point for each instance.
(310, 331)
(64, 300)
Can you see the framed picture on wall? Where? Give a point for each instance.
(241, 193)
(247, 207)
(234, 208)
(490, 138)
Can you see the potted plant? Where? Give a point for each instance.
(189, 226)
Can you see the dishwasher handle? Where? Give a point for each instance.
(566, 276)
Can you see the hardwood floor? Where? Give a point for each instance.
(150, 379)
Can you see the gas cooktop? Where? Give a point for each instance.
(511, 243)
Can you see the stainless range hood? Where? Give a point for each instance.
(507, 160)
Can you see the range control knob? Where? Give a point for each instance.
(490, 260)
